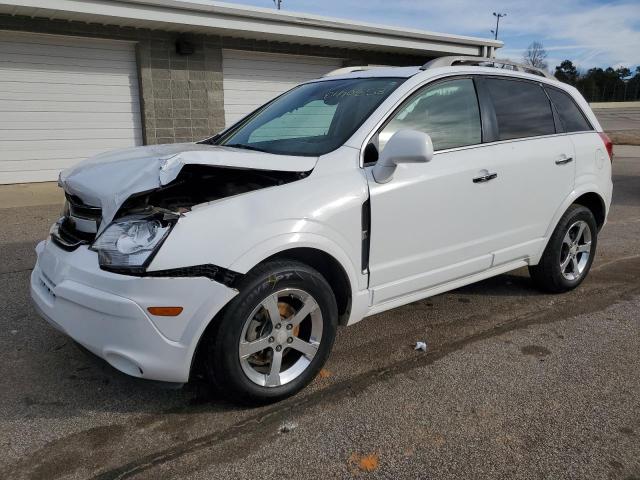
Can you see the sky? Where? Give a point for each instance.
(590, 33)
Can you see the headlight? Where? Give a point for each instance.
(130, 243)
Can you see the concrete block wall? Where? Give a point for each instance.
(181, 97)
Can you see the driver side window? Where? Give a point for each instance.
(448, 111)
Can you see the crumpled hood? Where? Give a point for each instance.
(108, 179)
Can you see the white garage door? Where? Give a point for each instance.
(63, 99)
(252, 78)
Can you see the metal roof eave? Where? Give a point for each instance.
(256, 23)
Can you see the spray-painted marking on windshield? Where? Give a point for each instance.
(354, 92)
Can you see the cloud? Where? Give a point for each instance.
(597, 35)
(591, 32)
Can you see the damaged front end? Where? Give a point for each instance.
(77, 226)
(144, 221)
(126, 238)
(198, 184)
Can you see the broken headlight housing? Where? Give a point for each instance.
(129, 244)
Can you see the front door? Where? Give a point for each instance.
(431, 223)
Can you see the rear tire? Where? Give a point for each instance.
(275, 335)
(569, 254)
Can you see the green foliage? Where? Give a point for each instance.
(566, 72)
(602, 85)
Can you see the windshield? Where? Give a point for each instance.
(312, 119)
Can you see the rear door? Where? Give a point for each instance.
(586, 141)
(535, 164)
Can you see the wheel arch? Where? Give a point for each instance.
(589, 197)
(330, 256)
(328, 266)
(595, 203)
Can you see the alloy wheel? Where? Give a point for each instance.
(575, 251)
(280, 337)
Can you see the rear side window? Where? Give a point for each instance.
(571, 116)
(522, 109)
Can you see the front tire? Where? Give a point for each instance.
(569, 254)
(275, 335)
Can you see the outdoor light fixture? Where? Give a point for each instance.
(184, 47)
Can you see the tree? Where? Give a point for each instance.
(567, 72)
(536, 55)
(634, 86)
(623, 72)
(602, 84)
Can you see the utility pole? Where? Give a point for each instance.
(278, 4)
(498, 17)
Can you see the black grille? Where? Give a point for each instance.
(78, 226)
(77, 208)
(67, 237)
(68, 231)
(81, 220)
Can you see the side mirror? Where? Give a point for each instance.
(404, 146)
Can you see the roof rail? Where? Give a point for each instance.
(484, 62)
(345, 70)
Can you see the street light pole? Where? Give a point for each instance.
(498, 17)
(278, 3)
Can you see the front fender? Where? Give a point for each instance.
(322, 211)
(281, 243)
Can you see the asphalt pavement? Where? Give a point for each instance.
(619, 119)
(621, 124)
(514, 384)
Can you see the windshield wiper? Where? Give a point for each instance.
(244, 147)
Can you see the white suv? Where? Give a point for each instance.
(344, 197)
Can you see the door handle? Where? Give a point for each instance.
(563, 160)
(485, 178)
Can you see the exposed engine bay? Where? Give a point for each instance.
(197, 184)
(175, 176)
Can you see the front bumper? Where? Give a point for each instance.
(107, 313)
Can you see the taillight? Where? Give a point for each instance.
(608, 144)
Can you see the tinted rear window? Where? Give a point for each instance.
(570, 115)
(522, 109)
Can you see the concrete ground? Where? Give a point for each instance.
(515, 384)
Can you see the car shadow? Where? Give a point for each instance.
(63, 376)
(512, 284)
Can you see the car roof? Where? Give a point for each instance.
(407, 72)
(418, 75)
(372, 72)
(443, 65)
